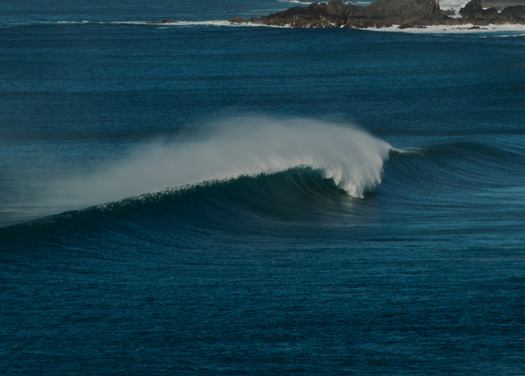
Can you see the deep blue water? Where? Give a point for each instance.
(196, 199)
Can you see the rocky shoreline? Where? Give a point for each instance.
(387, 13)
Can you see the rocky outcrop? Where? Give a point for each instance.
(406, 13)
(473, 12)
(516, 11)
(336, 13)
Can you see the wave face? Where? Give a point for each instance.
(244, 205)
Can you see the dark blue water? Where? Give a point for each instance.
(197, 199)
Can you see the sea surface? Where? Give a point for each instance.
(194, 198)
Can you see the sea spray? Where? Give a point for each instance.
(244, 146)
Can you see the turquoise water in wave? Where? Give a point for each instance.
(201, 199)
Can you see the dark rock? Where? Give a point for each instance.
(517, 11)
(333, 14)
(405, 11)
(472, 9)
(490, 13)
(337, 8)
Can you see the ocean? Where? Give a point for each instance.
(195, 198)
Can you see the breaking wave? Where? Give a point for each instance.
(350, 158)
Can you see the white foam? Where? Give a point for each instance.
(166, 24)
(506, 30)
(176, 23)
(298, 2)
(352, 158)
(73, 22)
